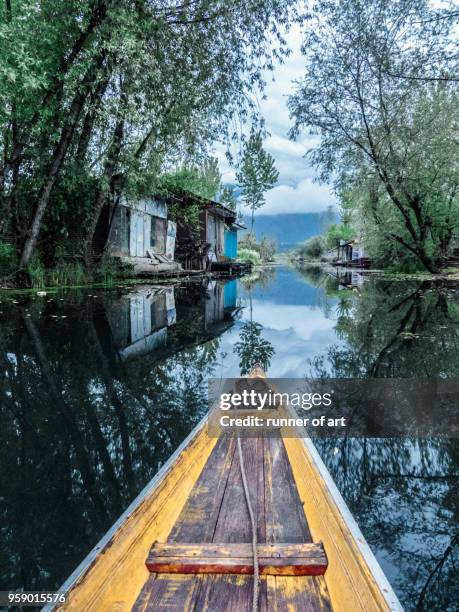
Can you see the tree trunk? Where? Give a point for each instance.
(106, 189)
(429, 264)
(419, 233)
(119, 409)
(53, 173)
(57, 162)
(89, 120)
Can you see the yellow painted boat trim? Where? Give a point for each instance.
(354, 578)
(111, 576)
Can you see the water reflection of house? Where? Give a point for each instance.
(220, 303)
(139, 321)
(143, 322)
(350, 278)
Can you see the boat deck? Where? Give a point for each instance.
(216, 512)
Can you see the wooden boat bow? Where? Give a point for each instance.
(185, 542)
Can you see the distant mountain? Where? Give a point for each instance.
(290, 229)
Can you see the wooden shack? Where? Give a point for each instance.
(351, 253)
(139, 229)
(213, 241)
(142, 232)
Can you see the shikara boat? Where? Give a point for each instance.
(186, 542)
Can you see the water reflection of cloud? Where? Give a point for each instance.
(298, 334)
(305, 321)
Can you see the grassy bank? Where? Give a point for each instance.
(67, 273)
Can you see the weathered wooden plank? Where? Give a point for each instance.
(301, 594)
(231, 549)
(259, 493)
(197, 520)
(167, 592)
(295, 566)
(278, 560)
(233, 524)
(226, 593)
(285, 519)
(286, 522)
(263, 594)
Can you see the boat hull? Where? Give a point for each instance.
(115, 572)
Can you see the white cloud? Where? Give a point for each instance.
(276, 145)
(295, 191)
(305, 197)
(304, 321)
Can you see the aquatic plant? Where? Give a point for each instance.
(37, 273)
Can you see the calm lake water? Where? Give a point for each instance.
(98, 388)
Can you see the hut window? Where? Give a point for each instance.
(158, 235)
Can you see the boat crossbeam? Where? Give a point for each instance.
(305, 559)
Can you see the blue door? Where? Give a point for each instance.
(230, 244)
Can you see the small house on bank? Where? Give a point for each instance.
(142, 233)
(212, 244)
(348, 254)
(351, 253)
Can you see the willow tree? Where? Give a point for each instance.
(203, 180)
(98, 95)
(380, 91)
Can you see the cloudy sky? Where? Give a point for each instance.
(296, 191)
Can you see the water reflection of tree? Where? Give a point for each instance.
(403, 492)
(328, 287)
(252, 349)
(260, 277)
(395, 330)
(82, 433)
